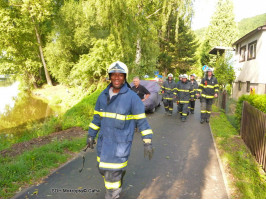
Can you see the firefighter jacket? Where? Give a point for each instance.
(208, 88)
(184, 92)
(114, 121)
(195, 86)
(169, 90)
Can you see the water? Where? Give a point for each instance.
(18, 110)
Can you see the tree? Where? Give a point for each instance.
(186, 48)
(222, 30)
(173, 12)
(224, 70)
(29, 22)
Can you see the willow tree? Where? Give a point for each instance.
(29, 22)
(168, 32)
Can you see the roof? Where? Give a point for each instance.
(220, 49)
(260, 28)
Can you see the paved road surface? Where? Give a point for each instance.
(184, 166)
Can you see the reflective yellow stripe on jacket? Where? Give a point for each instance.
(93, 126)
(207, 96)
(146, 132)
(120, 117)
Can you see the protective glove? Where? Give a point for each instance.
(148, 150)
(90, 142)
(198, 96)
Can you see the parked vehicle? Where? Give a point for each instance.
(155, 98)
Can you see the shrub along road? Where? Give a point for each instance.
(184, 165)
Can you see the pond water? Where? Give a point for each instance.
(18, 109)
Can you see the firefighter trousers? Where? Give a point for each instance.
(206, 108)
(168, 105)
(192, 105)
(183, 109)
(113, 182)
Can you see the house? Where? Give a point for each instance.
(250, 63)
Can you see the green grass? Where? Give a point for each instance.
(32, 165)
(81, 114)
(29, 131)
(248, 182)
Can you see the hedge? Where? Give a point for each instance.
(258, 101)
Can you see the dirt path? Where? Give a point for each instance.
(19, 148)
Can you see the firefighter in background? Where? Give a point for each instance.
(195, 86)
(168, 92)
(184, 95)
(208, 90)
(117, 112)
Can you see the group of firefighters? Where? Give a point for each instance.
(119, 110)
(186, 91)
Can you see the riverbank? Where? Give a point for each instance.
(46, 144)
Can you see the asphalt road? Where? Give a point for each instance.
(184, 165)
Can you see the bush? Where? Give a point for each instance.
(258, 101)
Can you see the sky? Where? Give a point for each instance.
(204, 9)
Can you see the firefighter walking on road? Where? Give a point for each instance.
(167, 89)
(195, 86)
(184, 95)
(208, 90)
(117, 112)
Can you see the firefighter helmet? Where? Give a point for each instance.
(118, 67)
(185, 76)
(209, 69)
(170, 75)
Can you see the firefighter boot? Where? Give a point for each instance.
(192, 111)
(113, 193)
(207, 120)
(183, 119)
(202, 121)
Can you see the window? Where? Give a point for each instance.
(242, 54)
(248, 86)
(239, 85)
(252, 50)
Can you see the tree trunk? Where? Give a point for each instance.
(138, 53)
(47, 74)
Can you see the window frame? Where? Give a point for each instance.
(240, 50)
(254, 44)
(239, 86)
(248, 86)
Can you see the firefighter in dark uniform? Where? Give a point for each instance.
(195, 86)
(208, 90)
(184, 94)
(167, 90)
(117, 112)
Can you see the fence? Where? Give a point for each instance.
(253, 132)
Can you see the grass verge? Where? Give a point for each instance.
(245, 176)
(31, 166)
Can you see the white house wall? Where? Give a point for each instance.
(252, 70)
(262, 59)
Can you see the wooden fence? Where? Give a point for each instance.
(253, 132)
